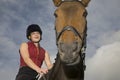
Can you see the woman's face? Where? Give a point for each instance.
(35, 36)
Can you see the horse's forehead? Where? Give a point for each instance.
(71, 7)
(70, 13)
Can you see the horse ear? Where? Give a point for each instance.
(57, 2)
(85, 2)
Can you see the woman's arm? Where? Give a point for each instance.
(25, 55)
(47, 60)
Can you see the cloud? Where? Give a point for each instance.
(8, 73)
(109, 37)
(104, 65)
(8, 58)
(103, 16)
(8, 52)
(103, 24)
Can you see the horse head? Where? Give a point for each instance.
(70, 26)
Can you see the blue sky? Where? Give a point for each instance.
(103, 40)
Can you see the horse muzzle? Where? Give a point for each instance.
(69, 53)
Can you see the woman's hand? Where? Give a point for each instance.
(42, 71)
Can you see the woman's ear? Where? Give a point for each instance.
(29, 37)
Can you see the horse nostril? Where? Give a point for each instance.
(74, 46)
(61, 47)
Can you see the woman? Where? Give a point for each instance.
(32, 55)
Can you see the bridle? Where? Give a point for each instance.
(71, 28)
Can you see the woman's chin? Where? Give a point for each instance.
(36, 41)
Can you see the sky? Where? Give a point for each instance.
(103, 39)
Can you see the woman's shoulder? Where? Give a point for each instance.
(23, 44)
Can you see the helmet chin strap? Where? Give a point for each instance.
(36, 41)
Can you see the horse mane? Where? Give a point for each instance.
(55, 68)
(52, 72)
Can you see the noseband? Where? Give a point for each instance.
(71, 28)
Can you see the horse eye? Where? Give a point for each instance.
(85, 14)
(55, 15)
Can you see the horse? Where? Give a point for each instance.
(71, 32)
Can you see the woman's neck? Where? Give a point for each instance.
(36, 44)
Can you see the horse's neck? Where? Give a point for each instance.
(58, 72)
(61, 72)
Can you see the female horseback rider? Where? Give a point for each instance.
(32, 55)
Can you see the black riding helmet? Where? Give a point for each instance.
(31, 28)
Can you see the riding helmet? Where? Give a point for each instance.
(31, 28)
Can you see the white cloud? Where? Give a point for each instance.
(110, 37)
(107, 38)
(96, 42)
(8, 58)
(8, 74)
(104, 65)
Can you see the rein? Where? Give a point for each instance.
(39, 76)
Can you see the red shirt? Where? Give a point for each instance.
(37, 56)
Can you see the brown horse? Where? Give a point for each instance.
(71, 29)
